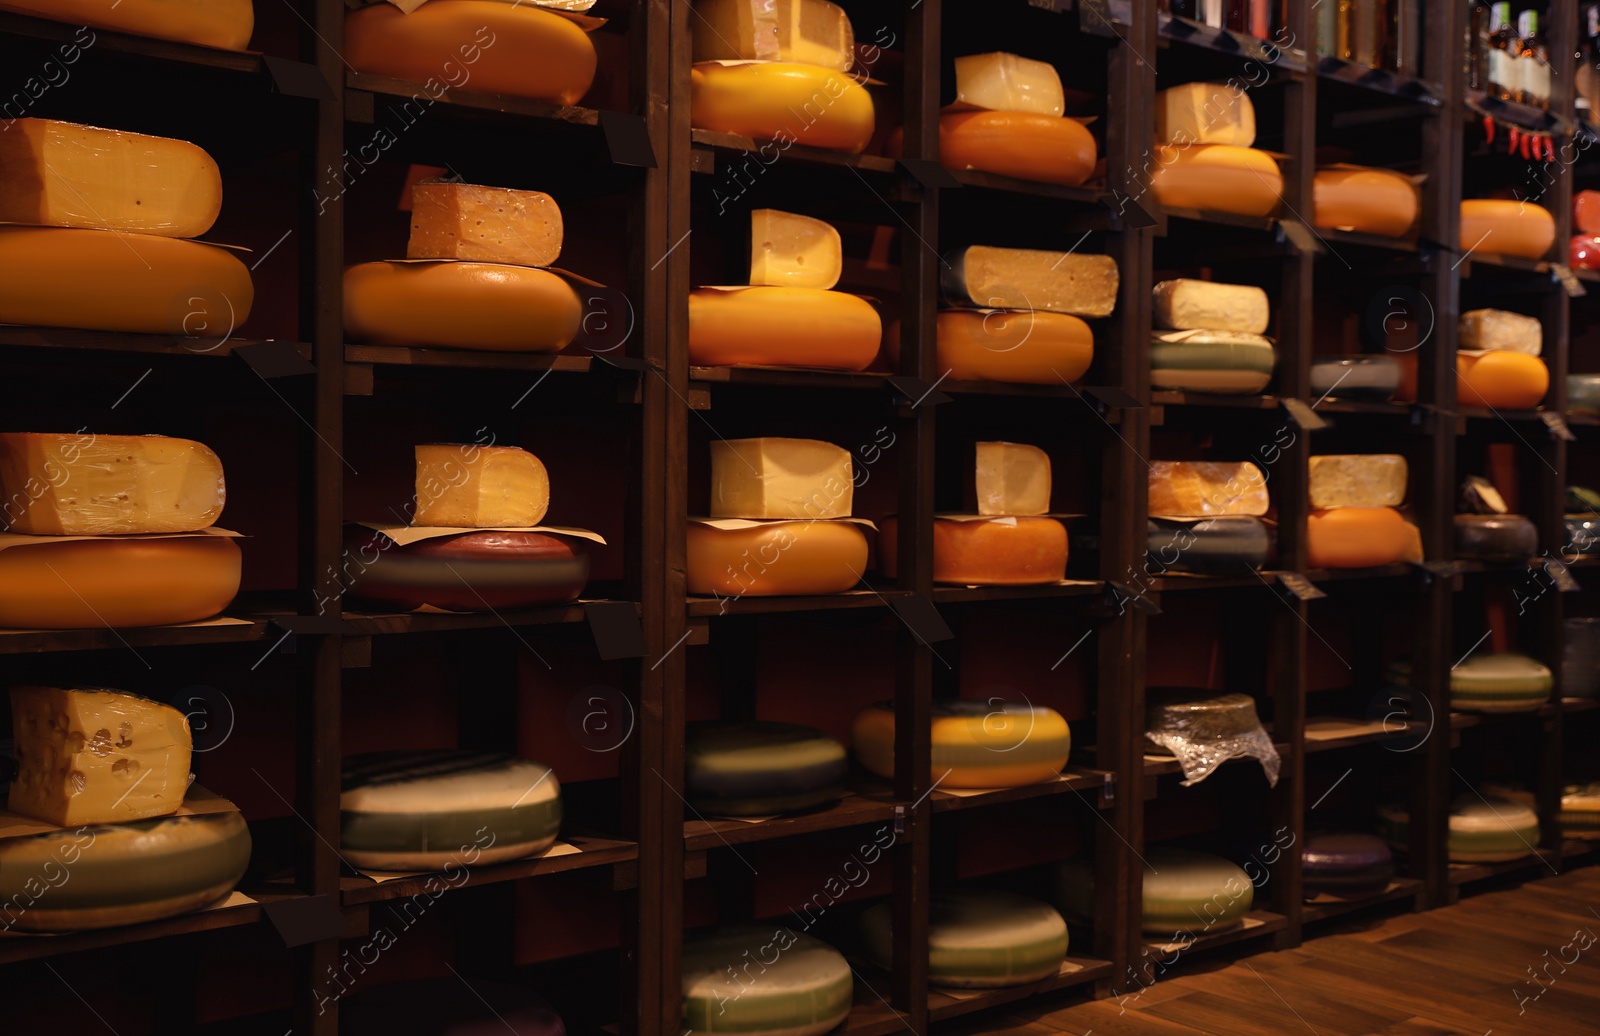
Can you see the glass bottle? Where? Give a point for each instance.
(1328, 29)
(1405, 27)
(1501, 64)
(1369, 32)
(1533, 61)
(1210, 12)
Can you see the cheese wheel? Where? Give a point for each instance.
(769, 559)
(1371, 378)
(1583, 393)
(479, 45)
(428, 810)
(1500, 227)
(1371, 201)
(90, 584)
(978, 939)
(1483, 829)
(757, 768)
(1348, 865)
(1580, 811)
(1502, 380)
(1500, 683)
(224, 24)
(1008, 345)
(789, 103)
(101, 280)
(782, 327)
(1228, 362)
(455, 305)
(976, 744)
(1586, 212)
(1584, 252)
(1583, 534)
(1356, 537)
(986, 552)
(766, 980)
(467, 572)
(447, 1007)
(1025, 145)
(1496, 537)
(105, 875)
(1196, 715)
(1213, 546)
(1186, 893)
(1216, 178)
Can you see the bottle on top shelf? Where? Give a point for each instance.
(1533, 62)
(1501, 62)
(1587, 78)
(1251, 17)
(1328, 37)
(1405, 37)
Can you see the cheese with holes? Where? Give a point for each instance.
(1497, 329)
(986, 552)
(458, 305)
(763, 981)
(1025, 278)
(734, 768)
(1205, 113)
(793, 251)
(785, 102)
(1190, 305)
(60, 174)
(978, 939)
(808, 32)
(1024, 145)
(1369, 201)
(1206, 489)
(483, 224)
(769, 559)
(480, 487)
(976, 744)
(1499, 227)
(103, 485)
(91, 756)
(224, 24)
(1011, 478)
(782, 327)
(780, 478)
(1358, 480)
(1216, 178)
(93, 584)
(1008, 83)
(1010, 345)
(1357, 537)
(1228, 362)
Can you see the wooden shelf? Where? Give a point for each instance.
(166, 52)
(1266, 224)
(1163, 397)
(399, 356)
(1162, 766)
(74, 341)
(1049, 591)
(1257, 924)
(1237, 46)
(1324, 907)
(213, 631)
(1468, 873)
(593, 852)
(1075, 971)
(1526, 116)
(706, 606)
(235, 912)
(1091, 787)
(1327, 734)
(712, 148)
(771, 377)
(1379, 81)
(853, 810)
(362, 90)
(386, 624)
(1086, 195)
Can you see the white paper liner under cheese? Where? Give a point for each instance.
(405, 535)
(558, 849)
(728, 524)
(17, 539)
(1200, 755)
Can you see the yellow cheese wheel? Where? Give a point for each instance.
(1216, 178)
(1372, 201)
(776, 558)
(789, 103)
(461, 306)
(83, 584)
(1357, 537)
(991, 552)
(1008, 345)
(225, 24)
(107, 281)
(1026, 145)
(482, 46)
(782, 327)
(976, 744)
(1502, 380)
(1502, 227)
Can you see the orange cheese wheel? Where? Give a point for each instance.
(782, 327)
(225, 24)
(108, 581)
(1506, 228)
(482, 46)
(461, 306)
(1499, 379)
(1372, 201)
(1026, 145)
(776, 558)
(991, 552)
(100, 280)
(785, 102)
(1216, 178)
(1357, 537)
(1586, 212)
(1008, 345)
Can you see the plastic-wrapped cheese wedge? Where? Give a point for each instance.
(1373, 378)
(104, 485)
(792, 251)
(985, 551)
(1008, 83)
(1025, 278)
(976, 744)
(1216, 178)
(1213, 546)
(782, 327)
(1483, 829)
(1357, 537)
(484, 224)
(1348, 865)
(1370, 201)
(1205, 113)
(1485, 329)
(756, 768)
(1206, 489)
(1503, 538)
(1008, 345)
(1185, 304)
(1041, 148)
(783, 101)
(1228, 362)
(1185, 892)
(804, 986)
(978, 939)
(780, 478)
(465, 572)
(224, 24)
(767, 559)
(483, 487)
(1499, 227)
(457, 305)
(89, 584)
(806, 32)
(495, 48)
(1358, 480)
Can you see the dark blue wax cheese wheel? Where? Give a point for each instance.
(1214, 546)
(1583, 534)
(1503, 538)
(1184, 891)
(754, 769)
(1373, 379)
(764, 981)
(1346, 864)
(419, 811)
(979, 939)
(104, 875)
(1583, 393)
(448, 1007)
(1224, 362)
(1483, 829)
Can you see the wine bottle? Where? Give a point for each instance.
(1501, 63)
(1210, 12)
(1369, 32)
(1405, 27)
(1328, 29)
(1533, 61)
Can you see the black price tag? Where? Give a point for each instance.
(929, 174)
(1560, 575)
(1557, 425)
(273, 360)
(1442, 569)
(1130, 214)
(1303, 416)
(1054, 6)
(1301, 237)
(924, 619)
(1228, 41)
(1181, 28)
(1562, 274)
(1302, 588)
(916, 391)
(626, 364)
(1094, 16)
(615, 628)
(1112, 398)
(628, 139)
(307, 920)
(298, 79)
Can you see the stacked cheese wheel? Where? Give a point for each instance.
(1580, 811)
(757, 768)
(224, 24)
(779, 71)
(976, 744)
(111, 530)
(1372, 378)
(978, 939)
(1583, 393)
(472, 278)
(1485, 531)
(1483, 829)
(1585, 249)
(1497, 363)
(1185, 891)
(763, 981)
(98, 228)
(1353, 522)
(788, 317)
(1203, 158)
(1500, 226)
(474, 543)
(1363, 199)
(1491, 683)
(1206, 516)
(1212, 338)
(105, 771)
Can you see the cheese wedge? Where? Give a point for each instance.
(1011, 479)
(1497, 329)
(483, 224)
(780, 478)
(1358, 480)
(1023, 278)
(1008, 83)
(225, 24)
(809, 32)
(1204, 489)
(480, 487)
(790, 251)
(104, 485)
(1205, 113)
(1191, 305)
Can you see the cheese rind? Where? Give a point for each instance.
(756, 768)
(1348, 865)
(1501, 227)
(976, 744)
(225, 24)
(809, 32)
(483, 224)
(94, 583)
(787, 250)
(766, 981)
(91, 756)
(1358, 537)
(1008, 83)
(1358, 480)
(1205, 113)
(460, 305)
(1011, 478)
(1369, 201)
(775, 559)
(1190, 305)
(1216, 178)
(987, 552)
(1215, 546)
(1041, 148)
(1233, 362)
(480, 487)
(60, 174)
(1011, 345)
(1184, 893)
(1207, 489)
(780, 478)
(978, 939)
(1497, 329)
(783, 101)
(1375, 378)
(783, 327)
(1029, 279)
(1487, 829)
(104, 485)
(1502, 380)
(1507, 538)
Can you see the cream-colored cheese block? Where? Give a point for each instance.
(1011, 479)
(484, 224)
(780, 478)
(1497, 329)
(89, 756)
(1025, 278)
(1191, 305)
(806, 32)
(1205, 113)
(790, 251)
(103, 485)
(60, 174)
(480, 487)
(1358, 480)
(1008, 83)
(1204, 489)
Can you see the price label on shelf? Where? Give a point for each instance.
(1302, 588)
(1557, 425)
(1562, 274)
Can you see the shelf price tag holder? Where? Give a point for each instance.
(1119, 595)
(923, 619)
(1561, 576)
(1302, 237)
(628, 140)
(913, 392)
(1106, 398)
(1302, 588)
(1094, 16)
(1129, 213)
(1557, 425)
(616, 629)
(298, 79)
(1562, 274)
(1432, 570)
(930, 175)
(1302, 415)
(307, 920)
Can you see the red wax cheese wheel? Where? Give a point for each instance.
(225, 24)
(84, 584)
(1586, 212)
(1026, 145)
(483, 46)
(1371, 201)
(782, 327)
(776, 558)
(1585, 251)
(1008, 345)
(1498, 227)
(469, 572)
(461, 306)
(1216, 178)
(991, 552)
(785, 102)
(1357, 537)
(1499, 379)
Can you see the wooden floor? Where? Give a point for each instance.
(1458, 971)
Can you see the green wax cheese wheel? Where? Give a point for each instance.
(426, 810)
(1184, 891)
(103, 875)
(1490, 683)
(760, 980)
(1483, 829)
(1228, 362)
(979, 939)
(752, 769)
(1580, 811)
(1583, 393)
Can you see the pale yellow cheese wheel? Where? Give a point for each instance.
(1216, 178)
(457, 305)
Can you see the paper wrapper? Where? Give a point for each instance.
(1199, 750)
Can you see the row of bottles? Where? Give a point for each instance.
(1587, 81)
(1378, 33)
(1253, 17)
(1507, 57)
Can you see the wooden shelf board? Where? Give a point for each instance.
(1476, 413)
(1335, 575)
(1087, 786)
(1467, 873)
(774, 377)
(1324, 907)
(221, 630)
(1463, 720)
(15, 336)
(718, 832)
(1349, 73)
(1257, 924)
(1572, 706)
(169, 51)
(871, 1013)
(1237, 45)
(1040, 390)
(1376, 242)
(1075, 971)
(1182, 582)
(970, 178)
(702, 606)
(1526, 116)
(385, 623)
(20, 946)
(1513, 263)
(1164, 397)
(401, 356)
(1065, 588)
(593, 852)
(524, 109)
(730, 145)
(1224, 219)
(1327, 733)
(1335, 405)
